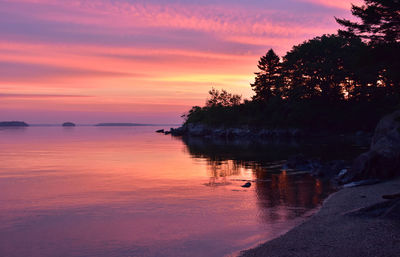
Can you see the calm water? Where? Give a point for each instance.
(127, 191)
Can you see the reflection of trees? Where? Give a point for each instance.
(219, 171)
(280, 195)
(283, 196)
(248, 152)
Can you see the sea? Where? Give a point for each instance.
(128, 191)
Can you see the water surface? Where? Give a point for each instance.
(127, 191)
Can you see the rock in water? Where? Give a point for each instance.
(160, 131)
(382, 161)
(248, 184)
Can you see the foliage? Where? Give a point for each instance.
(267, 81)
(222, 98)
(331, 82)
(380, 21)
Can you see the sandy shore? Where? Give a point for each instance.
(341, 229)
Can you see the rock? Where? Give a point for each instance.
(391, 197)
(329, 170)
(365, 182)
(68, 124)
(160, 131)
(387, 209)
(298, 162)
(196, 130)
(219, 133)
(178, 131)
(324, 170)
(247, 185)
(201, 130)
(342, 173)
(382, 161)
(359, 133)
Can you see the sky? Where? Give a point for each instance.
(142, 61)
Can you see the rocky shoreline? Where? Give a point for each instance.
(200, 130)
(358, 221)
(381, 162)
(248, 133)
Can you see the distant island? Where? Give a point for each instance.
(13, 124)
(68, 124)
(121, 125)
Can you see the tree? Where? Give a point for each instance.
(322, 67)
(380, 21)
(222, 98)
(266, 84)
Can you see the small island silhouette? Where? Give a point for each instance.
(13, 124)
(68, 124)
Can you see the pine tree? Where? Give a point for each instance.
(380, 21)
(266, 84)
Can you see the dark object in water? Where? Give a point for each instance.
(68, 124)
(160, 131)
(248, 184)
(13, 124)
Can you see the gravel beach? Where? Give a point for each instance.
(352, 222)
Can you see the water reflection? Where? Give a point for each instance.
(266, 152)
(97, 191)
(281, 195)
(220, 171)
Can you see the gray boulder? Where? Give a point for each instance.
(382, 161)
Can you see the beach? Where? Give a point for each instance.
(343, 227)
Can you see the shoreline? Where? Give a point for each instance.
(264, 134)
(341, 228)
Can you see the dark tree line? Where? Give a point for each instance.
(342, 81)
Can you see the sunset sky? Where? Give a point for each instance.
(141, 61)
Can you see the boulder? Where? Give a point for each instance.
(382, 161)
(197, 130)
(330, 170)
(298, 162)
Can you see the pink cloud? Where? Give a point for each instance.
(122, 16)
(342, 4)
(139, 56)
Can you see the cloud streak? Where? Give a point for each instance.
(128, 53)
(16, 71)
(40, 96)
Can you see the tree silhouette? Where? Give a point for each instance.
(222, 98)
(267, 81)
(329, 83)
(380, 21)
(322, 67)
